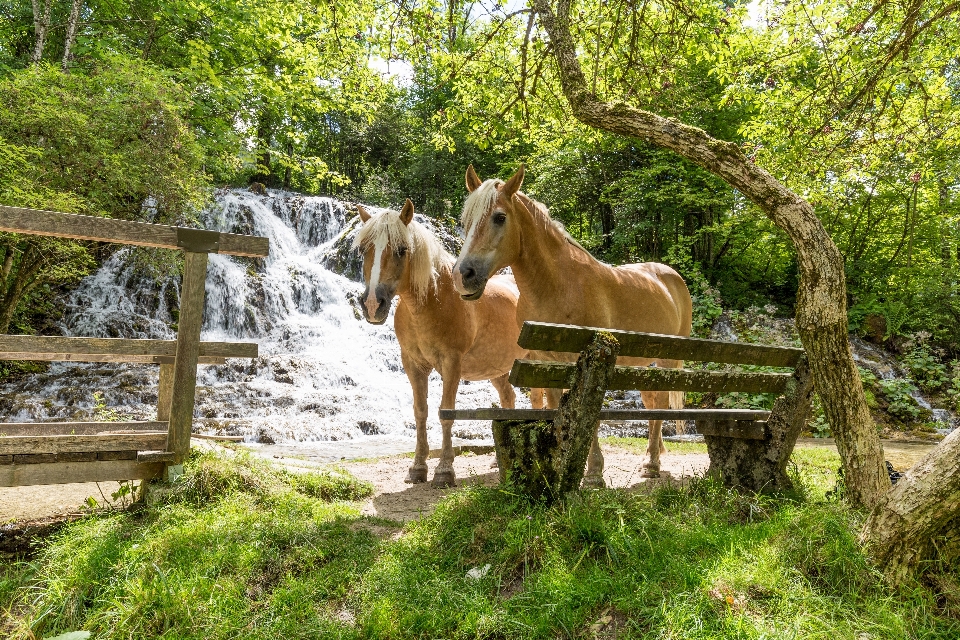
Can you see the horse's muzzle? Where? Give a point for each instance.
(469, 279)
(376, 305)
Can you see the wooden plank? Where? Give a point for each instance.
(102, 357)
(155, 456)
(35, 347)
(205, 436)
(21, 475)
(119, 455)
(143, 234)
(165, 392)
(188, 350)
(77, 428)
(76, 456)
(33, 458)
(543, 336)
(741, 429)
(77, 443)
(606, 414)
(557, 375)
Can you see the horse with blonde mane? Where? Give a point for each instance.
(436, 329)
(560, 282)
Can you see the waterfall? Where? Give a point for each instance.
(324, 374)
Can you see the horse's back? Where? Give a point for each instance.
(650, 297)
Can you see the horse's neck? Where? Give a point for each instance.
(431, 301)
(545, 260)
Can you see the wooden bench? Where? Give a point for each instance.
(748, 449)
(62, 452)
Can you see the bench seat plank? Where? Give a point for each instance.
(739, 429)
(557, 375)
(544, 336)
(607, 414)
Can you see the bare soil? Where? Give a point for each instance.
(396, 500)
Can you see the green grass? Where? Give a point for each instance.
(639, 445)
(239, 549)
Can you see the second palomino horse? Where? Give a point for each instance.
(560, 282)
(436, 329)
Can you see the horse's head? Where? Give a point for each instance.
(490, 222)
(385, 244)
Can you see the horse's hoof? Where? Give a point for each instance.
(593, 482)
(416, 475)
(650, 472)
(444, 479)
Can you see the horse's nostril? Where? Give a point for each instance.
(467, 272)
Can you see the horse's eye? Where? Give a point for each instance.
(499, 218)
(401, 251)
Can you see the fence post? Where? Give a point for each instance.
(165, 392)
(188, 353)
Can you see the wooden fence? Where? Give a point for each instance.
(62, 452)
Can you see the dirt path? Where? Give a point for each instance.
(399, 501)
(394, 499)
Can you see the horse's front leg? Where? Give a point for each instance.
(654, 400)
(444, 475)
(418, 382)
(508, 397)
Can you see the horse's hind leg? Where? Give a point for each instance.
(443, 475)
(593, 478)
(654, 400)
(418, 381)
(537, 400)
(508, 397)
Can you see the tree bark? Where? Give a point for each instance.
(31, 261)
(821, 299)
(916, 525)
(545, 460)
(40, 25)
(71, 36)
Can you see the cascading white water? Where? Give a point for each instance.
(324, 374)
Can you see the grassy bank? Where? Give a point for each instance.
(240, 549)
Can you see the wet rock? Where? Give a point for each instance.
(368, 428)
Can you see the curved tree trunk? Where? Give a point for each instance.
(917, 523)
(821, 301)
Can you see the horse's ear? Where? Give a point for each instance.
(406, 214)
(513, 184)
(473, 180)
(364, 214)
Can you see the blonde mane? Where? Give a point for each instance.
(480, 202)
(427, 255)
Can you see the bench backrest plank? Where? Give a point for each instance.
(558, 375)
(143, 234)
(543, 336)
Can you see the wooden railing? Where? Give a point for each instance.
(52, 453)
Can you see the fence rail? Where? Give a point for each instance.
(142, 234)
